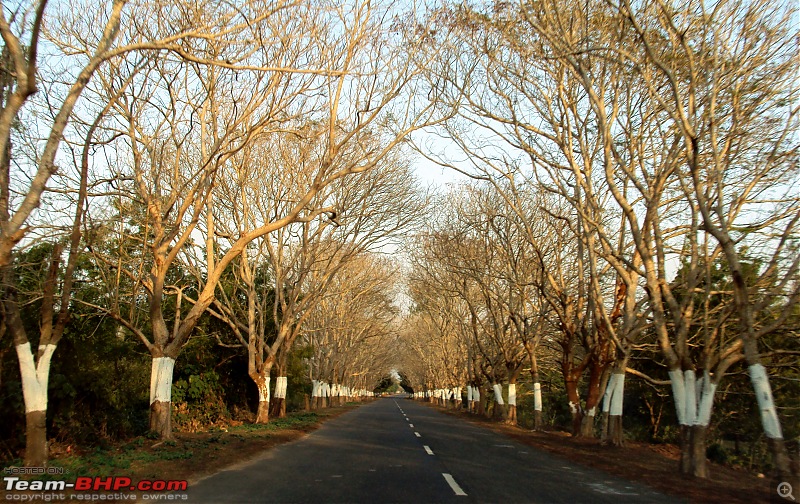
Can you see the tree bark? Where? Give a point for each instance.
(512, 404)
(685, 464)
(278, 403)
(612, 432)
(36, 439)
(697, 449)
(161, 419)
(262, 383)
(769, 419)
(593, 394)
(499, 411)
(574, 406)
(537, 396)
(616, 433)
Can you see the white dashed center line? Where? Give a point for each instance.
(428, 449)
(417, 434)
(456, 488)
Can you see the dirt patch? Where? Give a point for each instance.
(653, 465)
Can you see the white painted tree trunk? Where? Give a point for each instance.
(35, 376)
(263, 390)
(537, 396)
(612, 431)
(281, 384)
(498, 394)
(766, 405)
(613, 397)
(161, 373)
(694, 401)
(315, 393)
(706, 390)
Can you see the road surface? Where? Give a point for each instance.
(395, 450)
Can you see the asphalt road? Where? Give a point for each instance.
(395, 450)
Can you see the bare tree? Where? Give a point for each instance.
(733, 107)
(351, 328)
(354, 82)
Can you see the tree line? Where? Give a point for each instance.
(230, 170)
(632, 210)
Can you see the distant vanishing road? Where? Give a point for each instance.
(395, 450)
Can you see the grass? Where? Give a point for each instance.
(187, 456)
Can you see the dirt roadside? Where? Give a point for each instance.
(654, 465)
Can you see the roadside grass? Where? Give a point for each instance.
(189, 456)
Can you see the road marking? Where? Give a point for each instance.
(428, 449)
(417, 434)
(606, 488)
(450, 481)
(504, 446)
(411, 425)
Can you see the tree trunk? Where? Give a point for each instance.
(35, 379)
(500, 410)
(685, 463)
(616, 431)
(697, 449)
(587, 424)
(574, 406)
(282, 410)
(161, 419)
(262, 382)
(693, 403)
(161, 373)
(36, 439)
(262, 412)
(315, 392)
(278, 406)
(612, 432)
(679, 394)
(771, 423)
(593, 393)
(604, 428)
(512, 404)
(537, 403)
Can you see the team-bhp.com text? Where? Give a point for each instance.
(88, 489)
